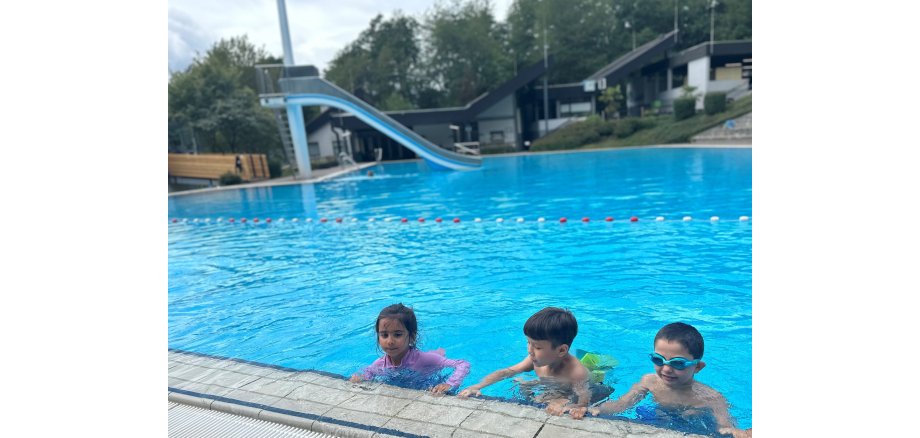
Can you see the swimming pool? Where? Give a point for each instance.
(305, 294)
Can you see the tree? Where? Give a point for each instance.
(463, 55)
(381, 66)
(215, 99)
(612, 97)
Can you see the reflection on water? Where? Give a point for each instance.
(547, 389)
(411, 379)
(700, 421)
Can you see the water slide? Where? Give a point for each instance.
(309, 91)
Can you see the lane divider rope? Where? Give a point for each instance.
(421, 220)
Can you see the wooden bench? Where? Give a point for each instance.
(212, 166)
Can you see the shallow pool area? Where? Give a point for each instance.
(294, 291)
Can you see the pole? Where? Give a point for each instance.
(285, 35)
(545, 86)
(675, 20)
(712, 22)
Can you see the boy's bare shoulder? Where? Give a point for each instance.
(648, 380)
(706, 391)
(579, 371)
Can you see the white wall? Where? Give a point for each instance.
(324, 137)
(698, 76)
(506, 126)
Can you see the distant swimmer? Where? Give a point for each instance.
(370, 173)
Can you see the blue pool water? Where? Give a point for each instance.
(305, 294)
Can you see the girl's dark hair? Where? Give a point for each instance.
(403, 314)
(684, 334)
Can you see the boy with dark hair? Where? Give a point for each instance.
(677, 357)
(549, 333)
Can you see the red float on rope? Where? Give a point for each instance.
(456, 220)
(243, 220)
(232, 220)
(404, 220)
(268, 220)
(585, 219)
(608, 219)
(175, 220)
(634, 219)
(563, 220)
(338, 219)
(438, 220)
(256, 220)
(323, 220)
(421, 219)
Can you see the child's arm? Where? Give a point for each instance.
(725, 420)
(524, 366)
(584, 397)
(369, 373)
(628, 400)
(461, 369)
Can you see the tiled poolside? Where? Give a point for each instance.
(326, 403)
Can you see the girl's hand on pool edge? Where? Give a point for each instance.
(355, 378)
(441, 389)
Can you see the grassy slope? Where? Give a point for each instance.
(670, 131)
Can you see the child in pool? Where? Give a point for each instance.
(549, 333)
(678, 350)
(397, 333)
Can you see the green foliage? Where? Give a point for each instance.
(667, 130)
(230, 178)
(458, 50)
(465, 50)
(714, 103)
(626, 127)
(684, 108)
(215, 103)
(613, 99)
(382, 65)
(573, 136)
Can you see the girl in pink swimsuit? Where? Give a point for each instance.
(397, 332)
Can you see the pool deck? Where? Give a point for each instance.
(327, 403)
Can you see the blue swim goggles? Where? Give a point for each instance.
(678, 363)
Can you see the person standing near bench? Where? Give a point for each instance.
(239, 165)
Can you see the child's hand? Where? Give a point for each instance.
(472, 390)
(556, 407)
(441, 389)
(578, 413)
(594, 411)
(736, 433)
(355, 378)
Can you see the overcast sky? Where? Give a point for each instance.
(318, 28)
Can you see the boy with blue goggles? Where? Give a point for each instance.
(672, 385)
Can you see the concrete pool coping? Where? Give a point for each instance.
(327, 403)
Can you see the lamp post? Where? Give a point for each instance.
(628, 26)
(285, 35)
(545, 75)
(712, 22)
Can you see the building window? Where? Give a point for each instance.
(314, 148)
(497, 137)
(574, 109)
